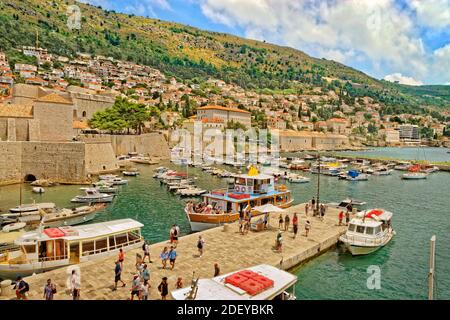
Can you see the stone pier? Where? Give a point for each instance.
(230, 249)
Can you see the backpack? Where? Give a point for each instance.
(175, 232)
(27, 287)
(143, 246)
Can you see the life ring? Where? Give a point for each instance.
(243, 189)
(237, 189)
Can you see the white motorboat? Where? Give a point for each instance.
(368, 231)
(70, 217)
(403, 166)
(16, 226)
(24, 208)
(130, 173)
(261, 282)
(299, 179)
(118, 181)
(191, 192)
(107, 176)
(382, 172)
(39, 190)
(93, 196)
(46, 249)
(414, 175)
(347, 204)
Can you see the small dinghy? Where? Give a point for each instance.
(14, 227)
(38, 190)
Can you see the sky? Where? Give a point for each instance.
(396, 40)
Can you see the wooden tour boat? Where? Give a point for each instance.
(252, 189)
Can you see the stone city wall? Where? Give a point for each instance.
(100, 158)
(149, 144)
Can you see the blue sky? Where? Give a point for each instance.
(398, 40)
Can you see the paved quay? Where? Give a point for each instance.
(230, 249)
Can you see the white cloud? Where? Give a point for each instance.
(398, 77)
(377, 33)
(434, 13)
(441, 63)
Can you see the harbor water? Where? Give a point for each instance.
(421, 209)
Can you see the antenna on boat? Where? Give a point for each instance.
(431, 273)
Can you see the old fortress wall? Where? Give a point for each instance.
(36, 138)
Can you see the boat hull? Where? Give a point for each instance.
(358, 250)
(12, 271)
(71, 221)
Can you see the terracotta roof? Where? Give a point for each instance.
(80, 124)
(16, 111)
(54, 98)
(222, 108)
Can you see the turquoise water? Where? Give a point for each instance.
(421, 209)
(424, 153)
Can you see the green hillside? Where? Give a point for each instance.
(193, 54)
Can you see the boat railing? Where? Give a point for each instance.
(120, 245)
(364, 240)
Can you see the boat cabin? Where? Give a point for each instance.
(252, 189)
(46, 249)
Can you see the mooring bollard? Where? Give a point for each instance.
(5, 288)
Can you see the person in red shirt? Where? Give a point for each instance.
(295, 224)
(341, 217)
(121, 258)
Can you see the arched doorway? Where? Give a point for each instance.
(30, 178)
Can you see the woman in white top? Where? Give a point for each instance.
(75, 285)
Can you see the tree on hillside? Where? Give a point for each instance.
(123, 115)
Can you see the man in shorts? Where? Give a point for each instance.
(136, 287)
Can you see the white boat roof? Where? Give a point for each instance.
(86, 231)
(367, 223)
(257, 177)
(216, 289)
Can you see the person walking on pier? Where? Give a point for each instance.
(163, 288)
(200, 246)
(146, 249)
(75, 285)
(216, 269)
(295, 224)
(21, 289)
(313, 202)
(121, 258)
(144, 290)
(341, 217)
(280, 222)
(307, 228)
(118, 276)
(279, 241)
(179, 283)
(322, 211)
(306, 209)
(172, 257)
(136, 287)
(347, 218)
(164, 256)
(287, 221)
(145, 274)
(241, 221)
(49, 290)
